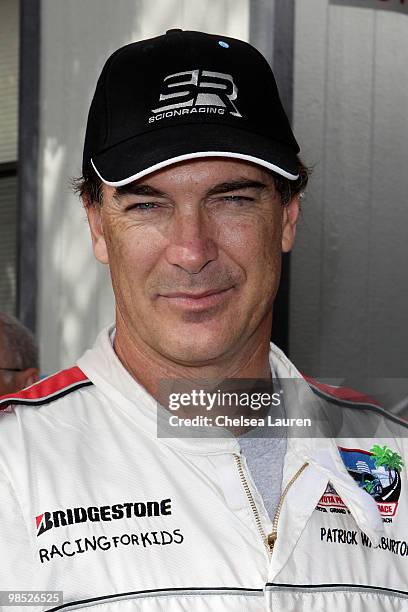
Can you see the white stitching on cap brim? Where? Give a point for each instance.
(186, 156)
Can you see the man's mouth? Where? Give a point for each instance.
(197, 301)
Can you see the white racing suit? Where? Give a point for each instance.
(94, 504)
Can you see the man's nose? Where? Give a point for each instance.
(191, 242)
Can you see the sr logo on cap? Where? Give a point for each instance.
(198, 88)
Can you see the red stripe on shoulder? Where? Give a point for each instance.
(342, 393)
(49, 386)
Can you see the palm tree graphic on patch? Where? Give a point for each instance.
(377, 471)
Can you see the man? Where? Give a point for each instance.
(191, 186)
(19, 367)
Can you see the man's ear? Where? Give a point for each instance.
(290, 216)
(93, 212)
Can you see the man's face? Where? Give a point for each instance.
(194, 252)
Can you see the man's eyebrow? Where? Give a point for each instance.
(138, 190)
(235, 186)
(148, 190)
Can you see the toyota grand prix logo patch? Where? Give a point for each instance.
(377, 471)
(196, 91)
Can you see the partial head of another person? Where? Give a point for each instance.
(19, 360)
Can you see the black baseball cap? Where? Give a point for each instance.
(186, 95)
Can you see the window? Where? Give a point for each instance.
(9, 70)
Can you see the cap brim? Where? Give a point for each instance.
(136, 157)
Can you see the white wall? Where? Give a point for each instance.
(75, 299)
(349, 280)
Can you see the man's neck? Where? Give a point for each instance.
(149, 367)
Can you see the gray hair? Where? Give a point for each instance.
(19, 343)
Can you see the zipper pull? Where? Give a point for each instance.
(271, 539)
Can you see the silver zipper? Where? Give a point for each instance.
(251, 502)
(270, 538)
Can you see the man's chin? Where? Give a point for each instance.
(196, 352)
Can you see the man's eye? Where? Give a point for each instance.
(237, 199)
(142, 206)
